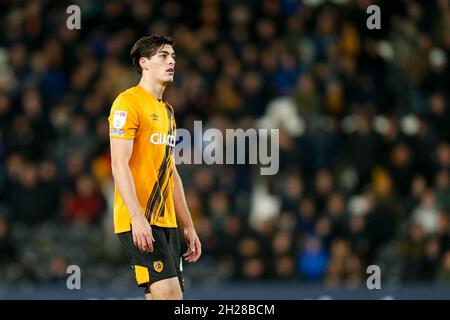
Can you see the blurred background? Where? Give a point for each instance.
(364, 145)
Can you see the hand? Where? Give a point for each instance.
(142, 233)
(194, 246)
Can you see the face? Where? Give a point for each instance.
(161, 66)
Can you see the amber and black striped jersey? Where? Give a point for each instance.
(137, 114)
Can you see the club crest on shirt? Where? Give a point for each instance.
(154, 116)
(158, 266)
(120, 118)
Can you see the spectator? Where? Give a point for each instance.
(86, 205)
(312, 260)
(444, 269)
(426, 214)
(30, 200)
(7, 247)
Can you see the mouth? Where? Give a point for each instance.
(170, 70)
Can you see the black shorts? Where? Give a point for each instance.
(164, 262)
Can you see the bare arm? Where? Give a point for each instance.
(121, 150)
(184, 216)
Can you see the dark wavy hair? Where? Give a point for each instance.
(146, 47)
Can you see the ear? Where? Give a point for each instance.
(143, 62)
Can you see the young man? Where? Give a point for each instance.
(149, 195)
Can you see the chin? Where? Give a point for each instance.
(168, 79)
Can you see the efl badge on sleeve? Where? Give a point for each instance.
(120, 117)
(158, 266)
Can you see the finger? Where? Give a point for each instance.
(188, 252)
(144, 243)
(135, 241)
(140, 243)
(188, 255)
(198, 250)
(151, 236)
(191, 257)
(148, 241)
(191, 247)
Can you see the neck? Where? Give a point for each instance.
(153, 87)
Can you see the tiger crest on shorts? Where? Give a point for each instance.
(158, 266)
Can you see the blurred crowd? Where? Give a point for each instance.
(364, 137)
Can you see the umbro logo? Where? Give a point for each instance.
(154, 116)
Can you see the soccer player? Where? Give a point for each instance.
(149, 196)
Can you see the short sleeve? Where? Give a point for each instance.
(123, 118)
